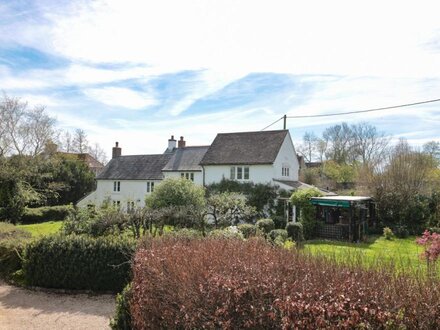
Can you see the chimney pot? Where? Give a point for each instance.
(181, 143)
(116, 151)
(171, 144)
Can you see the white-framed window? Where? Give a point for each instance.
(285, 170)
(117, 204)
(116, 185)
(187, 175)
(150, 186)
(239, 173)
(130, 206)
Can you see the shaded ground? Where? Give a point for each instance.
(26, 309)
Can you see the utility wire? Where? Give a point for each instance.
(362, 111)
(276, 121)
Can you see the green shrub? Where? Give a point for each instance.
(185, 233)
(12, 243)
(388, 233)
(401, 231)
(265, 225)
(45, 213)
(434, 230)
(295, 231)
(247, 229)
(79, 262)
(122, 319)
(228, 232)
(280, 234)
(307, 211)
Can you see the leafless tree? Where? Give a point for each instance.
(98, 153)
(339, 147)
(369, 145)
(66, 141)
(14, 123)
(432, 148)
(40, 129)
(79, 142)
(308, 146)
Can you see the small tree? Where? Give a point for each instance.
(176, 192)
(301, 199)
(229, 209)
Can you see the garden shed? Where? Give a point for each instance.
(344, 217)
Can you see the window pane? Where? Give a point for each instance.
(182, 175)
(152, 186)
(119, 185)
(239, 173)
(148, 187)
(232, 176)
(187, 176)
(192, 176)
(114, 186)
(246, 173)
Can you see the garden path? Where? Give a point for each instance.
(26, 309)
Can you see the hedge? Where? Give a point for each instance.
(12, 244)
(122, 317)
(239, 284)
(79, 262)
(45, 213)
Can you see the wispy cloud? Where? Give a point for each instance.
(121, 97)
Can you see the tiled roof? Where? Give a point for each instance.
(245, 148)
(139, 167)
(186, 159)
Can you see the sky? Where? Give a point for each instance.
(138, 72)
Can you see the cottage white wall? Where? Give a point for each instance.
(286, 155)
(198, 176)
(131, 190)
(257, 173)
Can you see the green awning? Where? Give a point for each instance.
(332, 203)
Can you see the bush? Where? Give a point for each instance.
(185, 233)
(280, 234)
(247, 230)
(12, 243)
(388, 233)
(79, 262)
(231, 232)
(236, 284)
(45, 213)
(265, 225)
(301, 199)
(401, 231)
(122, 319)
(295, 231)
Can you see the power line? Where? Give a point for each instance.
(276, 121)
(362, 111)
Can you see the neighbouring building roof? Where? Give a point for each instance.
(139, 167)
(245, 148)
(186, 159)
(298, 185)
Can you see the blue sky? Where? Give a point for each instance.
(139, 71)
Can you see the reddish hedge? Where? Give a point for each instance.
(213, 283)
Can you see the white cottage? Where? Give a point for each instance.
(259, 157)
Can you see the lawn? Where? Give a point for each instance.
(42, 229)
(404, 254)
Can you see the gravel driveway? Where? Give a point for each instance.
(27, 309)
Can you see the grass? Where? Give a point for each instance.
(403, 254)
(42, 229)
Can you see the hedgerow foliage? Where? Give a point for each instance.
(301, 199)
(12, 244)
(79, 262)
(235, 284)
(45, 213)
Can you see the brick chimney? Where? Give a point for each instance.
(116, 151)
(181, 143)
(171, 144)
